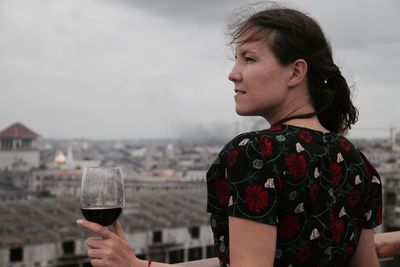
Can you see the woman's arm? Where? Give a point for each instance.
(365, 255)
(251, 243)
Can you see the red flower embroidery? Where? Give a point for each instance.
(304, 253)
(337, 227)
(256, 198)
(313, 193)
(354, 197)
(266, 146)
(289, 226)
(336, 171)
(221, 188)
(232, 157)
(347, 253)
(296, 165)
(305, 136)
(345, 145)
(276, 128)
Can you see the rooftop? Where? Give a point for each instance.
(52, 219)
(18, 130)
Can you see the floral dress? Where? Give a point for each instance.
(316, 188)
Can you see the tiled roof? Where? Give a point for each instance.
(17, 130)
(47, 220)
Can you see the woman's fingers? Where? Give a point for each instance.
(96, 263)
(119, 231)
(97, 228)
(95, 242)
(109, 249)
(95, 254)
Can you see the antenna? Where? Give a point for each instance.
(392, 138)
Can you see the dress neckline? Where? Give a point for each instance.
(306, 128)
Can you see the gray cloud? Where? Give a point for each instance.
(126, 69)
(189, 11)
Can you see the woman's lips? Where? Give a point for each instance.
(239, 92)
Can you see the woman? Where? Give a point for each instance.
(298, 193)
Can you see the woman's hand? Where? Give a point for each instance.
(110, 249)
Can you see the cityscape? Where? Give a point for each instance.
(164, 215)
(144, 85)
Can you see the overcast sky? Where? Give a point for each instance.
(140, 68)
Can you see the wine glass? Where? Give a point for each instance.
(102, 194)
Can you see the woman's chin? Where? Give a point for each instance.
(242, 112)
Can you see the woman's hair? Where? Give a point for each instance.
(292, 35)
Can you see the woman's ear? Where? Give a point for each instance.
(299, 72)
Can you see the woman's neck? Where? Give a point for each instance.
(311, 123)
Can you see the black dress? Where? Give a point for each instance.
(317, 188)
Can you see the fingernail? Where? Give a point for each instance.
(79, 221)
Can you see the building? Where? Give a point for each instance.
(56, 182)
(17, 148)
(195, 175)
(68, 162)
(67, 182)
(13, 185)
(164, 225)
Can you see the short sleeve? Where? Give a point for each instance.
(217, 186)
(373, 209)
(252, 181)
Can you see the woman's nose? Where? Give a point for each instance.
(235, 75)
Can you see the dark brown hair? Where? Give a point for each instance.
(292, 35)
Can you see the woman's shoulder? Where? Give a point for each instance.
(246, 138)
(260, 142)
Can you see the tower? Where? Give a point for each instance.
(17, 148)
(392, 139)
(70, 158)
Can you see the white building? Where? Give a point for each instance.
(195, 175)
(17, 148)
(57, 182)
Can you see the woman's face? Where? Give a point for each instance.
(261, 83)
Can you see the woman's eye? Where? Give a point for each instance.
(249, 59)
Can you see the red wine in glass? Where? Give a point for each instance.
(103, 216)
(102, 194)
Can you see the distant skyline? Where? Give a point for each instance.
(126, 69)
